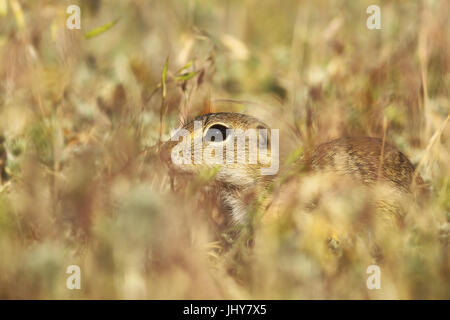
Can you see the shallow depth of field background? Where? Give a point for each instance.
(80, 121)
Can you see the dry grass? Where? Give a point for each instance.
(81, 119)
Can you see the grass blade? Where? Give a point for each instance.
(98, 31)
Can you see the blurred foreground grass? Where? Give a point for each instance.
(80, 117)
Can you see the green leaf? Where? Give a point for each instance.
(186, 66)
(186, 76)
(294, 156)
(98, 31)
(206, 175)
(164, 77)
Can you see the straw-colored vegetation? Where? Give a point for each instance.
(82, 113)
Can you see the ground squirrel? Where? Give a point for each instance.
(363, 159)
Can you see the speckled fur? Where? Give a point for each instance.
(358, 158)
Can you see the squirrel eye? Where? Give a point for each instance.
(216, 133)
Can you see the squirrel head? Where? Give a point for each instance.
(238, 146)
(242, 151)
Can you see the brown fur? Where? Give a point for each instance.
(367, 160)
(363, 159)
